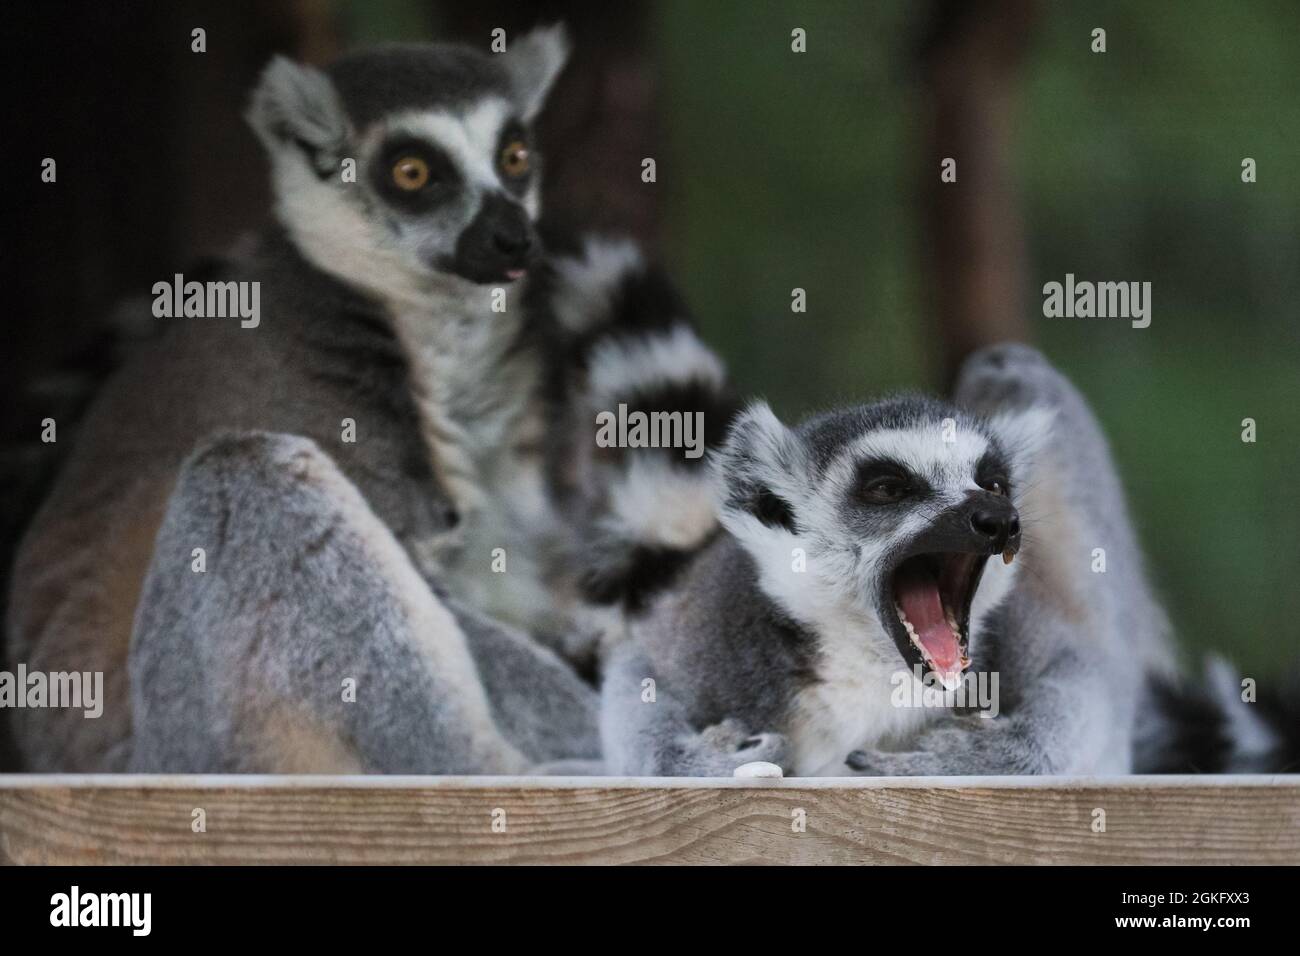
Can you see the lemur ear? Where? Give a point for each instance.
(759, 470)
(297, 105)
(1023, 435)
(533, 62)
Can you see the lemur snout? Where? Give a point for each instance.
(997, 521)
(512, 239)
(498, 244)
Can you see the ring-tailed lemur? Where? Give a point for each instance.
(1082, 643)
(859, 546)
(279, 544)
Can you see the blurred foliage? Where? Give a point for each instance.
(787, 170)
(1132, 168)
(384, 21)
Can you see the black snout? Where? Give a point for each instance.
(513, 237)
(997, 522)
(498, 244)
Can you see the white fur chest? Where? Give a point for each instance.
(476, 394)
(852, 704)
(470, 389)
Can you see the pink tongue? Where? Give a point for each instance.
(918, 595)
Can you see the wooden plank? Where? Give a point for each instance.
(133, 819)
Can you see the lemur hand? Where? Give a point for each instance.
(718, 750)
(973, 747)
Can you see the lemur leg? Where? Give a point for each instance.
(1076, 518)
(1083, 559)
(1081, 626)
(541, 705)
(646, 737)
(306, 641)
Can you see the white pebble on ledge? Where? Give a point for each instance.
(758, 768)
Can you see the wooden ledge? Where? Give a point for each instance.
(951, 820)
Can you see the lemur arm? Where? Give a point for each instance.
(650, 735)
(1058, 728)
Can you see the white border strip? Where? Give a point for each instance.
(18, 781)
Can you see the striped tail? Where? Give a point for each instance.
(1215, 725)
(634, 374)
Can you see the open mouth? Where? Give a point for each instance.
(932, 595)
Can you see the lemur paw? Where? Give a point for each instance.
(726, 736)
(727, 745)
(864, 763)
(875, 763)
(756, 746)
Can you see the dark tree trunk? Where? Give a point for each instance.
(976, 243)
(154, 168)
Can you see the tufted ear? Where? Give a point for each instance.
(297, 106)
(533, 62)
(760, 469)
(1023, 435)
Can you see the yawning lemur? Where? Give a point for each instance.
(907, 533)
(281, 544)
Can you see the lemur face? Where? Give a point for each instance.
(457, 191)
(929, 509)
(402, 166)
(898, 508)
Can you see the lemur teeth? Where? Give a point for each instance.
(911, 630)
(916, 638)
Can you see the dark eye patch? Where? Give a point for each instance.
(774, 511)
(993, 467)
(873, 472)
(444, 177)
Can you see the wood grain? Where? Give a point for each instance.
(595, 820)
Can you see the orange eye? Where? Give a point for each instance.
(514, 159)
(410, 173)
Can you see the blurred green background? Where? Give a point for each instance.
(780, 170)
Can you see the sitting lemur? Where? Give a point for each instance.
(348, 538)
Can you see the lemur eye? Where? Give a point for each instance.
(885, 490)
(996, 485)
(410, 173)
(514, 159)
